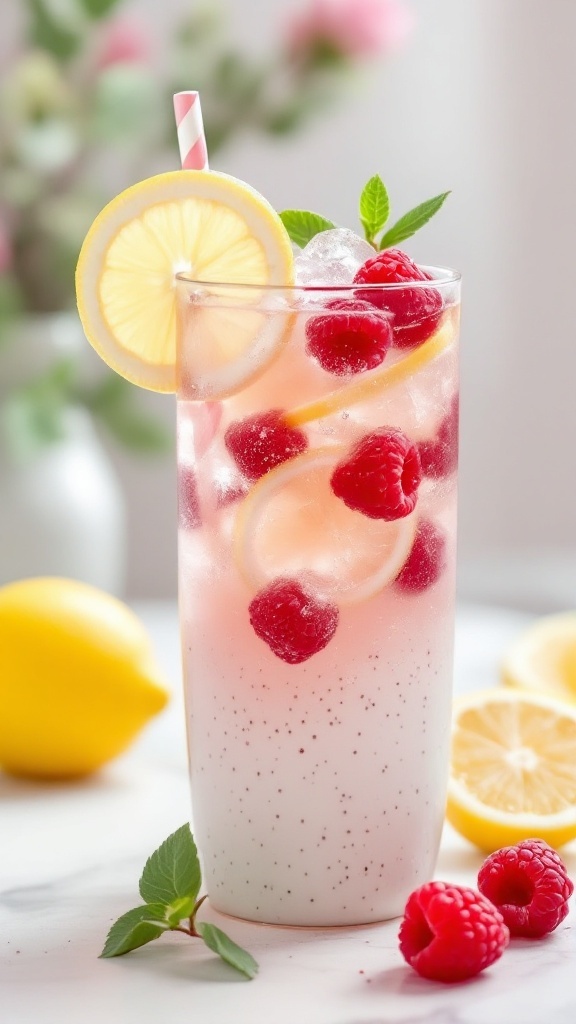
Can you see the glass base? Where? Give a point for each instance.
(313, 924)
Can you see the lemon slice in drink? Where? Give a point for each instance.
(543, 658)
(208, 225)
(513, 769)
(366, 386)
(292, 524)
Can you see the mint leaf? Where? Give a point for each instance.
(412, 221)
(179, 909)
(302, 225)
(173, 870)
(134, 929)
(374, 207)
(219, 943)
(169, 884)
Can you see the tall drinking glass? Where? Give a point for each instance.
(317, 513)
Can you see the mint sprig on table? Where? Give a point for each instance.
(170, 885)
(303, 225)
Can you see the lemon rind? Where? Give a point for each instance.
(486, 826)
(378, 380)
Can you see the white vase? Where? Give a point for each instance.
(62, 510)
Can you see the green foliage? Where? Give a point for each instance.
(126, 104)
(170, 884)
(10, 305)
(50, 33)
(98, 8)
(33, 416)
(113, 401)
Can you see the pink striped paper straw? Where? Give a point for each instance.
(190, 127)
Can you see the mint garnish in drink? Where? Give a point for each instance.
(302, 225)
(374, 207)
(170, 885)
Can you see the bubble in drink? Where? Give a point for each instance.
(331, 258)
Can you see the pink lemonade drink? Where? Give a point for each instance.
(317, 511)
(317, 397)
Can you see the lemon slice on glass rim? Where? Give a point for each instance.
(291, 524)
(513, 769)
(207, 225)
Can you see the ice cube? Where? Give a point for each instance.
(331, 258)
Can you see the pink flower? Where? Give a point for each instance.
(123, 42)
(355, 28)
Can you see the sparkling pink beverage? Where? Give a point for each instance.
(317, 509)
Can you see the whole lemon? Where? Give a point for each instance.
(77, 678)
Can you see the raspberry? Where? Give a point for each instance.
(354, 338)
(381, 476)
(439, 456)
(229, 492)
(293, 622)
(260, 442)
(189, 515)
(450, 932)
(426, 560)
(416, 311)
(530, 886)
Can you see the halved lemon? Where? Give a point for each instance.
(368, 385)
(513, 769)
(543, 658)
(209, 225)
(292, 524)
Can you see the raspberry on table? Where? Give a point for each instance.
(529, 884)
(439, 455)
(381, 475)
(450, 932)
(426, 561)
(262, 441)
(416, 311)
(351, 338)
(292, 621)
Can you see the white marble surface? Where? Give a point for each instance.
(70, 858)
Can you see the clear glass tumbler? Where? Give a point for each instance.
(317, 451)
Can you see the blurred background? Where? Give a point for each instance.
(305, 99)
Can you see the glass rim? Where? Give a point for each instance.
(447, 277)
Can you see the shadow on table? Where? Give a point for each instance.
(402, 980)
(173, 960)
(439, 1006)
(107, 781)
